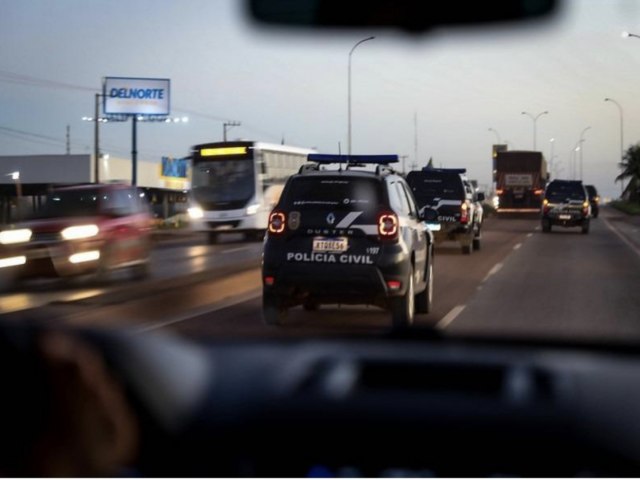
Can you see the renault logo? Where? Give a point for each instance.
(331, 219)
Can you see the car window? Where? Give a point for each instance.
(341, 192)
(560, 192)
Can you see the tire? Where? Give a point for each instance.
(273, 313)
(424, 300)
(467, 249)
(403, 308)
(585, 227)
(546, 226)
(476, 243)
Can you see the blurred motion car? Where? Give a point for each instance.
(566, 204)
(83, 229)
(594, 200)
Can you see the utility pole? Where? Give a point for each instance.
(96, 140)
(414, 165)
(229, 124)
(68, 140)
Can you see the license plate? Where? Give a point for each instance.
(564, 217)
(324, 244)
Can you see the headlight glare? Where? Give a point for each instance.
(79, 232)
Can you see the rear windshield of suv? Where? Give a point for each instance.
(561, 192)
(591, 190)
(428, 186)
(307, 193)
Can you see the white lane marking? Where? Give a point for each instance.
(517, 246)
(496, 268)
(450, 317)
(622, 237)
(229, 302)
(349, 219)
(529, 235)
(232, 250)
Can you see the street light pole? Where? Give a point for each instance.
(551, 141)
(497, 135)
(621, 137)
(535, 121)
(581, 149)
(96, 140)
(349, 88)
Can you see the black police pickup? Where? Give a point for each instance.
(566, 204)
(447, 200)
(347, 233)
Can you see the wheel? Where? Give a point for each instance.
(213, 238)
(476, 243)
(403, 308)
(258, 236)
(546, 226)
(273, 313)
(467, 249)
(424, 300)
(585, 227)
(310, 306)
(595, 215)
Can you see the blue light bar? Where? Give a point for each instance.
(352, 159)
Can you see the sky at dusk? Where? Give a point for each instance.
(459, 83)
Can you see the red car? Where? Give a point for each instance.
(81, 230)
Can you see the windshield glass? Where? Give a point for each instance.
(70, 203)
(223, 181)
(562, 192)
(427, 187)
(177, 97)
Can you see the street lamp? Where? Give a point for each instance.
(535, 121)
(349, 86)
(551, 156)
(581, 149)
(621, 138)
(497, 135)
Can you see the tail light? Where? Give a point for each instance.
(585, 208)
(277, 222)
(464, 213)
(499, 191)
(546, 206)
(597, 199)
(538, 192)
(388, 225)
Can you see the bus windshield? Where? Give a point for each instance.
(222, 182)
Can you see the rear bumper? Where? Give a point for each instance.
(575, 220)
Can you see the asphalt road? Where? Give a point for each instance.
(521, 282)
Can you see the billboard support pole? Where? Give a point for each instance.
(134, 150)
(96, 140)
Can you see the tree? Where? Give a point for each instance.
(631, 170)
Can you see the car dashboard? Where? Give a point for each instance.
(392, 406)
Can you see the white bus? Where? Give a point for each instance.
(235, 185)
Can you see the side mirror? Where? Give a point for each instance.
(480, 196)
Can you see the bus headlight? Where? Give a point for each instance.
(80, 232)
(8, 237)
(253, 209)
(195, 213)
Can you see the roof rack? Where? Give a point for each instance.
(445, 170)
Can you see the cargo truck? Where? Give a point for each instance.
(521, 177)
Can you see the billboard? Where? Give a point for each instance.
(136, 96)
(174, 167)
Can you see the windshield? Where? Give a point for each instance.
(220, 242)
(427, 187)
(563, 192)
(223, 181)
(70, 203)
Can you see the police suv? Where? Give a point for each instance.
(447, 199)
(347, 233)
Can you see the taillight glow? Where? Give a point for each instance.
(464, 213)
(538, 192)
(269, 280)
(585, 208)
(277, 222)
(388, 225)
(499, 191)
(546, 206)
(394, 284)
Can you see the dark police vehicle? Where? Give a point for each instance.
(447, 199)
(566, 204)
(347, 233)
